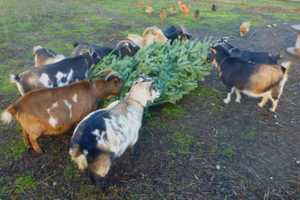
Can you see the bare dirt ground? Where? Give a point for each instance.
(205, 150)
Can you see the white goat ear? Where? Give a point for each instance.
(213, 50)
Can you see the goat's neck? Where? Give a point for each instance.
(100, 89)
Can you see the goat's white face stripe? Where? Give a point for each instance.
(69, 107)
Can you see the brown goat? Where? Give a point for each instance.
(55, 111)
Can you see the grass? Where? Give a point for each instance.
(213, 97)
(4, 188)
(181, 144)
(173, 111)
(228, 152)
(249, 135)
(23, 183)
(13, 150)
(70, 170)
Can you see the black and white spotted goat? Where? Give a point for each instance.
(58, 74)
(105, 134)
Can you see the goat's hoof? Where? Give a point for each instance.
(39, 151)
(226, 101)
(238, 100)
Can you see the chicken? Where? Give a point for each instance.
(185, 9)
(149, 10)
(162, 16)
(196, 15)
(244, 28)
(172, 10)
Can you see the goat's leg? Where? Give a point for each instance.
(228, 98)
(238, 96)
(263, 101)
(275, 95)
(25, 138)
(274, 105)
(34, 144)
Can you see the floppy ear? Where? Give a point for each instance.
(91, 51)
(213, 50)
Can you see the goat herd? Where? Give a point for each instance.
(56, 94)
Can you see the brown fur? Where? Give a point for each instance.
(265, 78)
(185, 9)
(34, 110)
(244, 28)
(101, 165)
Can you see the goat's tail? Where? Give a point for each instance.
(285, 66)
(7, 115)
(78, 157)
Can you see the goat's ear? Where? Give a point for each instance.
(91, 51)
(213, 50)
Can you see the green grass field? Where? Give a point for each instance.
(57, 25)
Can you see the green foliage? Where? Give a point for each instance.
(181, 144)
(23, 183)
(70, 170)
(173, 111)
(228, 152)
(214, 96)
(250, 135)
(176, 69)
(13, 150)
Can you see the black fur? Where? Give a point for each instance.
(249, 56)
(86, 140)
(234, 71)
(173, 33)
(126, 48)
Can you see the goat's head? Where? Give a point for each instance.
(143, 90)
(80, 48)
(217, 55)
(154, 34)
(113, 83)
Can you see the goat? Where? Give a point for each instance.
(81, 48)
(55, 111)
(150, 35)
(105, 134)
(126, 48)
(179, 32)
(58, 74)
(255, 80)
(43, 56)
(249, 56)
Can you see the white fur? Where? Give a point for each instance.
(36, 48)
(44, 79)
(53, 122)
(59, 76)
(80, 160)
(69, 107)
(6, 117)
(75, 98)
